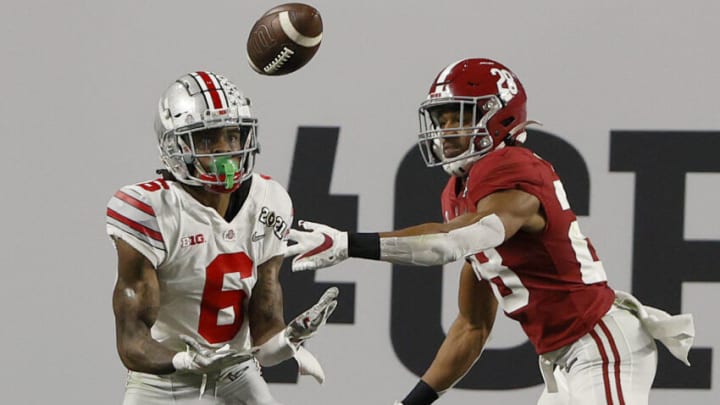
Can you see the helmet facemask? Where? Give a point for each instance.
(218, 157)
(471, 115)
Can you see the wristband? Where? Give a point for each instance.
(276, 350)
(364, 245)
(184, 361)
(181, 361)
(421, 394)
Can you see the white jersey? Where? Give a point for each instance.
(206, 266)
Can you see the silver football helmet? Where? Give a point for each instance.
(202, 101)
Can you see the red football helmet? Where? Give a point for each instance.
(490, 100)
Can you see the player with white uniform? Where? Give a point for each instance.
(507, 215)
(197, 299)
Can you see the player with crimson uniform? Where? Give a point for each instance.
(567, 300)
(198, 305)
(507, 215)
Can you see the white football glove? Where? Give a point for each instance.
(287, 343)
(308, 365)
(322, 247)
(201, 360)
(398, 403)
(306, 325)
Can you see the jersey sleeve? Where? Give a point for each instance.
(278, 221)
(508, 169)
(131, 217)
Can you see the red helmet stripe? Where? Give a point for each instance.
(212, 89)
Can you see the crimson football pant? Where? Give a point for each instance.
(241, 384)
(614, 364)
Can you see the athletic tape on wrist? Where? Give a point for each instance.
(181, 361)
(441, 248)
(276, 350)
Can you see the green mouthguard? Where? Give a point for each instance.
(226, 166)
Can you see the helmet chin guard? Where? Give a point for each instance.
(460, 165)
(202, 101)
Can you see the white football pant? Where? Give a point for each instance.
(614, 364)
(241, 384)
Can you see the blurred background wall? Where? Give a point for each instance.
(626, 92)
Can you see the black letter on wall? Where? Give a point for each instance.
(309, 187)
(662, 259)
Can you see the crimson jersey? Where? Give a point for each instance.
(551, 282)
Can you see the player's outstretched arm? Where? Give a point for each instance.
(499, 216)
(136, 299)
(462, 345)
(423, 245)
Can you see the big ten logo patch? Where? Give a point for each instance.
(276, 222)
(192, 240)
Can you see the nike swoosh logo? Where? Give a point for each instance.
(255, 237)
(327, 244)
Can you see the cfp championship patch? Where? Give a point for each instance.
(276, 222)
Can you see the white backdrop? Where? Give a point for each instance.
(80, 81)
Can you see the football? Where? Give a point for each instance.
(284, 39)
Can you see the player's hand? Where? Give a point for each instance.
(322, 247)
(398, 403)
(201, 360)
(308, 365)
(305, 325)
